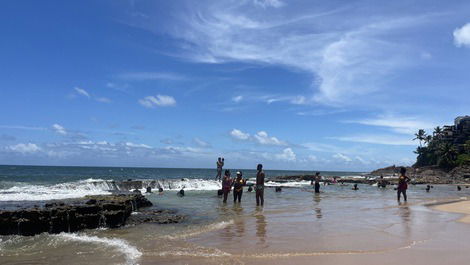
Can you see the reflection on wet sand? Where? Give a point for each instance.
(317, 199)
(260, 227)
(405, 213)
(239, 222)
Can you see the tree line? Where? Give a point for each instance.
(434, 150)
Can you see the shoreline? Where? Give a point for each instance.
(460, 207)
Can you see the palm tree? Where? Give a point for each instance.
(420, 136)
(428, 139)
(447, 153)
(437, 131)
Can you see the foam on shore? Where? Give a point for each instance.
(131, 253)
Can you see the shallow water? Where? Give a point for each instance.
(294, 226)
(293, 223)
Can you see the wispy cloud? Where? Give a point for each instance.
(377, 139)
(146, 76)
(103, 100)
(345, 59)
(269, 3)
(81, 92)
(84, 93)
(237, 99)
(462, 36)
(157, 101)
(59, 129)
(398, 124)
(201, 143)
(21, 127)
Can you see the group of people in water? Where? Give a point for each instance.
(239, 182)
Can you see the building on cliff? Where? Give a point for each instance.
(458, 133)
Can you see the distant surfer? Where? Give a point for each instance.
(355, 187)
(220, 165)
(259, 185)
(226, 184)
(238, 187)
(402, 184)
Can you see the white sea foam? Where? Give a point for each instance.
(30, 192)
(131, 253)
(195, 252)
(293, 184)
(186, 184)
(200, 230)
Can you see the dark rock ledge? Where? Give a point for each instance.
(87, 213)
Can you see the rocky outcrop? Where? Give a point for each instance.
(390, 171)
(87, 213)
(429, 174)
(154, 216)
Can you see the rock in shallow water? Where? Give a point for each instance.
(87, 213)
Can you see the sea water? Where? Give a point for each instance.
(293, 223)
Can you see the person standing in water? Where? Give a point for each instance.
(402, 184)
(238, 187)
(317, 182)
(259, 185)
(226, 184)
(220, 165)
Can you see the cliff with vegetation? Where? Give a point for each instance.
(447, 147)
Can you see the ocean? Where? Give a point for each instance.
(293, 224)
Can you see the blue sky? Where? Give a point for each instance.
(321, 85)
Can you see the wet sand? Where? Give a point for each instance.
(462, 207)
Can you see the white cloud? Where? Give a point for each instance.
(129, 144)
(82, 92)
(263, 138)
(286, 155)
(377, 139)
(24, 148)
(260, 137)
(144, 76)
(462, 36)
(59, 129)
(269, 3)
(239, 135)
(103, 99)
(346, 59)
(404, 125)
(237, 99)
(201, 143)
(312, 158)
(342, 157)
(158, 100)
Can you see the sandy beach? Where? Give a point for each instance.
(462, 207)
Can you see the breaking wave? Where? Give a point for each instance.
(131, 253)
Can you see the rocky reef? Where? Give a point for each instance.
(87, 213)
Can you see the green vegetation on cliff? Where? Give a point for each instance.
(447, 147)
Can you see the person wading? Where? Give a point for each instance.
(226, 184)
(238, 187)
(402, 184)
(259, 185)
